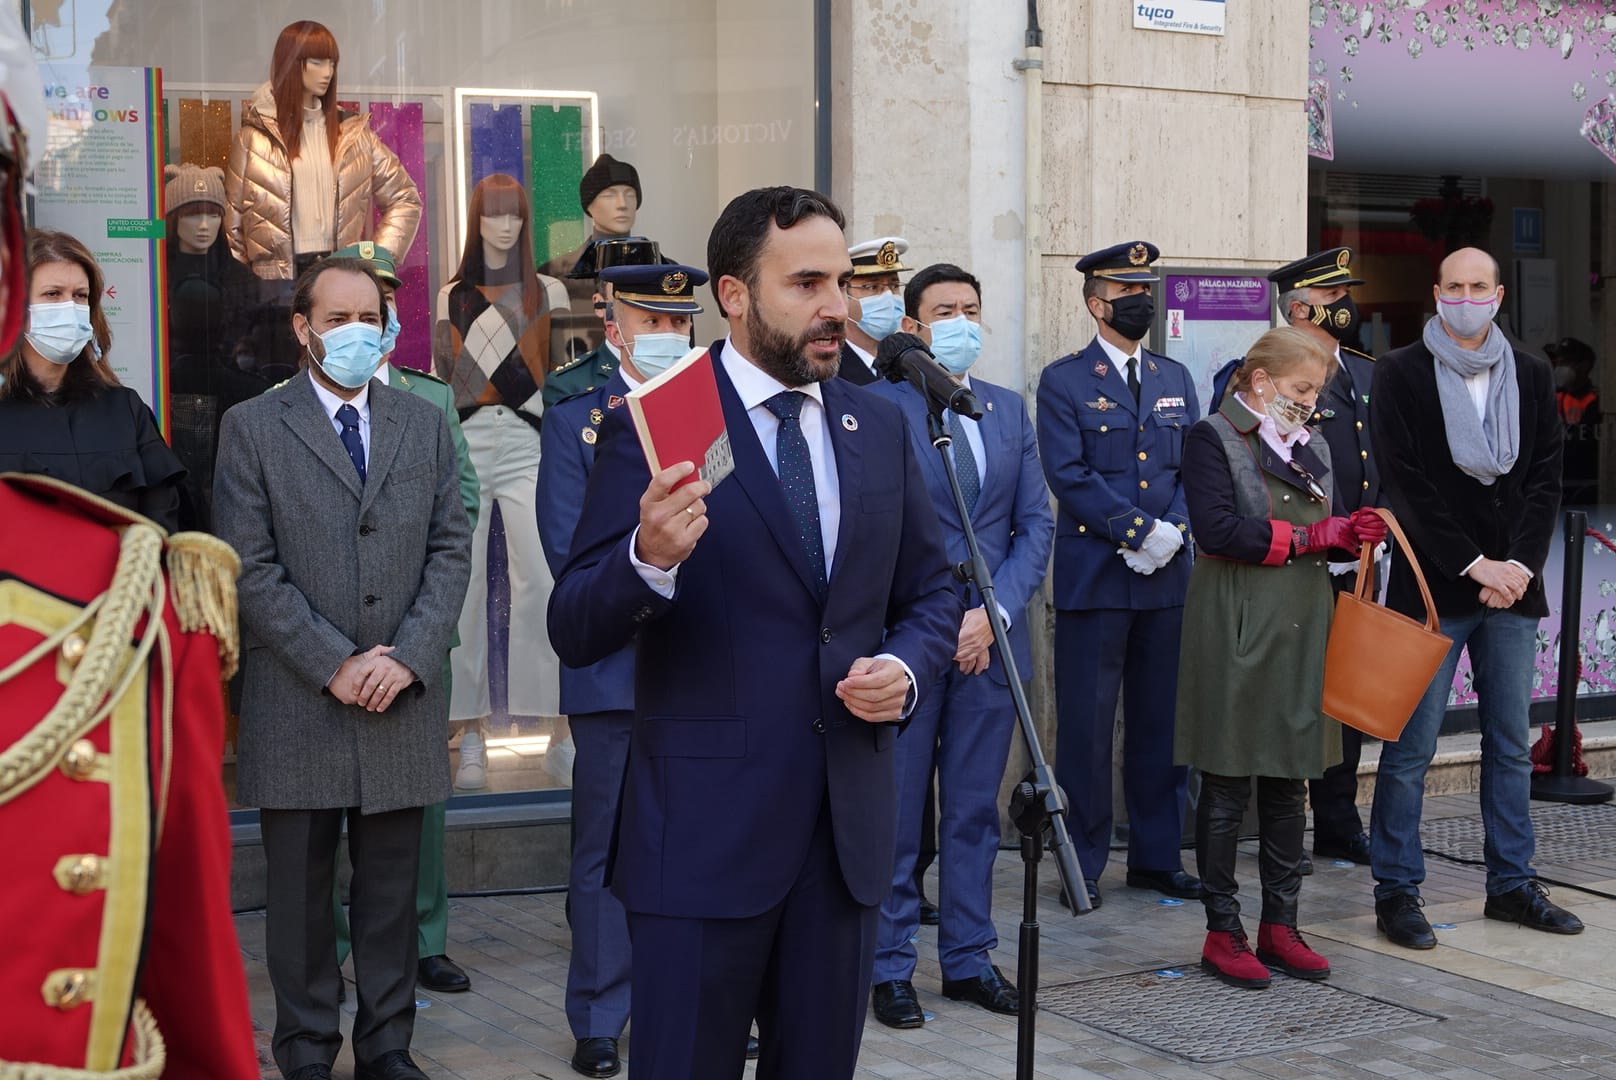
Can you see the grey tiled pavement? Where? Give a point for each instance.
(1509, 1002)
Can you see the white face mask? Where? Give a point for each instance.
(59, 332)
(652, 354)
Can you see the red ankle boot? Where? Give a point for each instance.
(1282, 947)
(1227, 955)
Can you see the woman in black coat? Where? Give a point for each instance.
(62, 412)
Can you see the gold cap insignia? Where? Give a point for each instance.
(674, 283)
(1343, 258)
(888, 255)
(1138, 255)
(367, 250)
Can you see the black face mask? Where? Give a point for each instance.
(1133, 315)
(1339, 319)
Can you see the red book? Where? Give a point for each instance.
(679, 418)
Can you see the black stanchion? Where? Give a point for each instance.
(1561, 784)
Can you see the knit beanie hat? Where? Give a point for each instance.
(605, 172)
(189, 184)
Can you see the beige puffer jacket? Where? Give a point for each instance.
(258, 189)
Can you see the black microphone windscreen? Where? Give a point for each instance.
(892, 347)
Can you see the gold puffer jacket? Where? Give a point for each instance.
(258, 189)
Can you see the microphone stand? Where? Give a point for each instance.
(1037, 804)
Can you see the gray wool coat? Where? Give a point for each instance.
(329, 568)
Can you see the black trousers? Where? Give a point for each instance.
(1281, 820)
(300, 847)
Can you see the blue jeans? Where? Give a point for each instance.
(1502, 656)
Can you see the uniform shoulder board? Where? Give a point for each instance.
(570, 364)
(426, 375)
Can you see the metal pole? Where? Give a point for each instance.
(1560, 785)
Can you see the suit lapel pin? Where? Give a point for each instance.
(1100, 368)
(596, 416)
(589, 436)
(613, 402)
(1328, 414)
(988, 406)
(1151, 364)
(850, 422)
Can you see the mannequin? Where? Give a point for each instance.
(305, 180)
(210, 303)
(491, 345)
(610, 196)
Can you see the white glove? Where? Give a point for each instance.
(1339, 568)
(1137, 561)
(1162, 543)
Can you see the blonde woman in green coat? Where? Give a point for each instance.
(1256, 619)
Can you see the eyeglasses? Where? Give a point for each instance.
(1314, 488)
(862, 289)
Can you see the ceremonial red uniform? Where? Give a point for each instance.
(121, 954)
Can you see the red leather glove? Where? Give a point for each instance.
(1370, 526)
(1332, 532)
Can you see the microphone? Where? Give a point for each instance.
(905, 358)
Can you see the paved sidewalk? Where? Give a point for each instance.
(1491, 1001)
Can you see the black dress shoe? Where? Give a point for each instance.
(1174, 883)
(896, 1005)
(751, 1048)
(929, 915)
(1354, 849)
(441, 974)
(1403, 923)
(311, 1072)
(1092, 887)
(991, 990)
(1304, 865)
(393, 1065)
(597, 1057)
(1529, 905)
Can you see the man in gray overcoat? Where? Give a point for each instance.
(341, 496)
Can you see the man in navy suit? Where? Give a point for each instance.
(1111, 425)
(648, 326)
(783, 622)
(963, 726)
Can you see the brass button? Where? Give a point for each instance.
(1103, 429)
(1144, 483)
(1363, 454)
(1142, 455)
(67, 989)
(1359, 425)
(79, 874)
(1366, 485)
(1141, 427)
(79, 761)
(73, 649)
(1082, 528)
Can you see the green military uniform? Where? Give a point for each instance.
(587, 373)
(432, 887)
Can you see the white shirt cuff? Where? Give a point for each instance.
(1528, 573)
(1003, 614)
(1472, 565)
(658, 580)
(910, 699)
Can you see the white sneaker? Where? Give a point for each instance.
(473, 772)
(558, 760)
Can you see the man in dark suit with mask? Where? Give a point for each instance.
(1111, 425)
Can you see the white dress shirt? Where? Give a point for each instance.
(361, 403)
(1478, 385)
(858, 350)
(973, 436)
(1120, 359)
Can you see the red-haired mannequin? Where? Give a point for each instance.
(304, 180)
(492, 346)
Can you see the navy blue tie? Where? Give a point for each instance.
(965, 463)
(796, 471)
(348, 417)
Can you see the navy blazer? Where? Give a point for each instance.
(1014, 527)
(738, 732)
(1342, 417)
(1113, 466)
(567, 446)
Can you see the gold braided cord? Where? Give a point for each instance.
(150, 1053)
(202, 572)
(135, 583)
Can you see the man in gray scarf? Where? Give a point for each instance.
(1468, 440)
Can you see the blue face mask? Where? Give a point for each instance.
(652, 354)
(881, 314)
(59, 332)
(353, 351)
(390, 335)
(956, 343)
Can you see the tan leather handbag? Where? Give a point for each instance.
(1379, 663)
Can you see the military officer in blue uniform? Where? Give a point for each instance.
(648, 319)
(1111, 426)
(590, 371)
